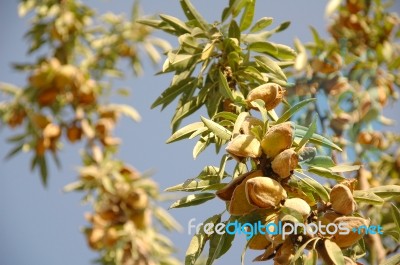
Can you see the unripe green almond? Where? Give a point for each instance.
(244, 146)
(351, 238)
(264, 192)
(271, 94)
(299, 205)
(277, 139)
(285, 162)
(342, 200)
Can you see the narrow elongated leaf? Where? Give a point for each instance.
(322, 161)
(270, 66)
(167, 220)
(395, 260)
(200, 146)
(234, 30)
(386, 191)
(192, 14)
(315, 185)
(173, 91)
(238, 123)
(396, 215)
(334, 252)
(185, 132)
(248, 15)
(316, 138)
(308, 135)
(294, 109)
(261, 24)
(193, 185)
(325, 172)
(198, 242)
(193, 199)
(217, 129)
(224, 87)
(300, 250)
(367, 196)
(344, 168)
(219, 244)
(188, 108)
(263, 47)
(176, 23)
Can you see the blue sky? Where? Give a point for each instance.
(41, 225)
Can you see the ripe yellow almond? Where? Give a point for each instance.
(285, 162)
(138, 199)
(351, 238)
(142, 219)
(249, 123)
(342, 200)
(264, 192)
(239, 205)
(52, 131)
(259, 242)
(271, 93)
(299, 205)
(244, 146)
(226, 192)
(277, 139)
(285, 253)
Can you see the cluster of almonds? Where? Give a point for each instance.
(375, 139)
(53, 79)
(265, 190)
(122, 214)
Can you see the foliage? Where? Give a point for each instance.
(233, 70)
(65, 101)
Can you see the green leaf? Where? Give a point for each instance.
(188, 108)
(193, 185)
(173, 91)
(176, 23)
(395, 260)
(192, 14)
(14, 151)
(344, 168)
(325, 172)
(367, 197)
(217, 129)
(334, 252)
(43, 169)
(248, 15)
(198, 241)
(226, 115)
(315, 185)
(301, 249)
(396, 215)
(193, 199)
(316, 138)
(294, 109)
(261, 24)
(200, 146)
(219, 244)
(270, 66)
(386, 191)
(263, 47)
(259, 104)
(185, 132)
(238, 123)
(308, 135)
(126, 110)
(322, 161)
(224, 87)
(234, 30)
(178, 62)
(167, 220)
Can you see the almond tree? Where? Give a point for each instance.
(66, 100)
(240, 77)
